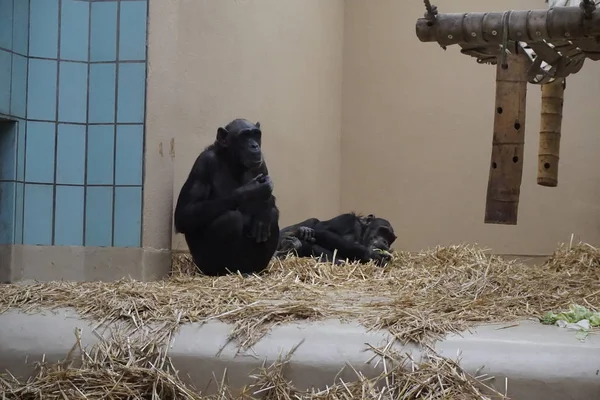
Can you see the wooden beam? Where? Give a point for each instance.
(550, 132)
(506, 167)
(523, 25)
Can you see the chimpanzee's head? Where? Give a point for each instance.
(378, 233)
(242, 139)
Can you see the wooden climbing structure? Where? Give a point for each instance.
(532, 46)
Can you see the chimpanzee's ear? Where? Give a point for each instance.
(257, 124)
(223, 137)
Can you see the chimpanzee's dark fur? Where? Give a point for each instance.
(226, 208)
(353, 236)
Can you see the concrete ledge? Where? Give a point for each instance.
(540, 362)
(78, 263)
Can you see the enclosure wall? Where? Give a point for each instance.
(278, 62)
(73, 77)
(421, 119)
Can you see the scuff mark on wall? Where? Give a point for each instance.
(172, 149)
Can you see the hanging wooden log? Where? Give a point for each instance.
(524, 25)
(550, 131)
(506, 167)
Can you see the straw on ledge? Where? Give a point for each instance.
(124, 366)
(418, 297)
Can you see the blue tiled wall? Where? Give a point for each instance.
(73, 73)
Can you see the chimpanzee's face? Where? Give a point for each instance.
(248, 147)
(242, 139)
(379, 234)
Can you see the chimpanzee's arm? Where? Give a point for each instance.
(269, 209)
(194, 211)
(345, 248)
(292, 229)
(273, 207)
(342, 224)
(259, 219)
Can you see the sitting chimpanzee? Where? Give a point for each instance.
(355, 237)
(226, 208)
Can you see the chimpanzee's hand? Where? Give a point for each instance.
(306, 234)
(259, 188)
(381, 258)
(289, 243)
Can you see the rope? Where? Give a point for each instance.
(432, 12)
(588, 7)
(505, 18)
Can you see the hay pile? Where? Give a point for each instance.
(122, 366)
(418, 297)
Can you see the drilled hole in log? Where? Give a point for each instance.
(504, 66)
(515, 159)
(546, 165)
(499, 110)
(494, 165)
(429, 23)
(517, 125)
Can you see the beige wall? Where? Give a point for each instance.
(275, 61)
(348, 85)
(417, 125)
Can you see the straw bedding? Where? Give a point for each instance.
(418, 297)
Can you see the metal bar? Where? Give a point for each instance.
(506, 167)
(550, 132)
(524, 25)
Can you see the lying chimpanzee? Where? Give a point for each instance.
(355, 237)
(226, 208)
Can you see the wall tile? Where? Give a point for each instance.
(74, 30)
(130, 152)
(39, 152)
(5, 71)
(21, 26)
(41, 99)
(6, 26)
(98, 216)
(18, 99)
(21, 129)
(8, 151)
(102, 93)
(100, 153)
(132, 90)
(43, 28)
(132, 31)
(7, 212)
(128, 216)
(68, 223)
(103, 40)
(18, 239)
(37, 221)
(72, 103)
(70, 154)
